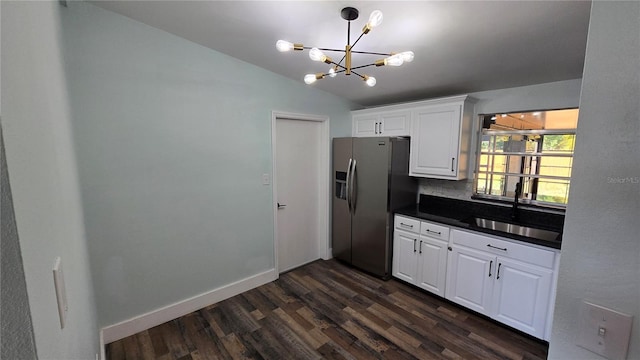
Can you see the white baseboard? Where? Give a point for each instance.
(153, 318)
(328, 255)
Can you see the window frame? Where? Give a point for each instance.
(538, 155)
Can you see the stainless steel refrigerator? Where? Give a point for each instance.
(370, 181)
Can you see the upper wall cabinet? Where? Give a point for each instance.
(373, 122)
(440, 138)
(440, 131)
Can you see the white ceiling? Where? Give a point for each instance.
(459, 46)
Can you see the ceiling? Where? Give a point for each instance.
(459, 46)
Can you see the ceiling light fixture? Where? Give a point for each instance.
(344, 65)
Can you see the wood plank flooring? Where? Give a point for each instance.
(326, 310)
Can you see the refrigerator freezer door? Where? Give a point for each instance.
(370, 243)
(341, 217)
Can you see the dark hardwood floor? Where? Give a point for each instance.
(328, 310)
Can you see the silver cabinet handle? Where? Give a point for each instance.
(498, 274)
(434, 232)
(452, 161)
(414, 245)
(420, 246)
(281, 206)
(490, 265)
(495, 247)
(377, 128)
(406, 225)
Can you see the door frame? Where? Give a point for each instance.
(324, 245)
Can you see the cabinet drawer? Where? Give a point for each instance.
(525, 253)
(407, 224)
(434, 230)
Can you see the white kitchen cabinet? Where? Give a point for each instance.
(440, 138)
(378, 122)
(521, 296)
(440, 130)
(405, 256)
(470, 278)
(432, 265)
(418, 259)
(509, 282)
(365, 125)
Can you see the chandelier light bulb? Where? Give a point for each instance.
(284, 46)
(310, 79)
(370, 80)
(316, 55)
(407, 56)
(394, 60)
(332, 72)
(375, 19)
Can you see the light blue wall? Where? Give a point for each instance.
(172, 139)
(44, 185)
(600, 246)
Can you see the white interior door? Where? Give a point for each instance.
(299, 192)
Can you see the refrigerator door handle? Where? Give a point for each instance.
(354, 191)
(348, 185)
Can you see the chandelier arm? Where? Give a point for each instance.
(337, 72)
(323, 49)
(358, 39)
(336, 64)
(362, 66)
(362, 76)
(371, 53)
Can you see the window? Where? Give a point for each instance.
(534, 149)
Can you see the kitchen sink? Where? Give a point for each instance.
(516, 229)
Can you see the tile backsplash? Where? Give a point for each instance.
(462, 189)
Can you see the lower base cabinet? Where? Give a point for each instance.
(521, 296)
(512, 291)
(405, 256)
(510, 282)
(432, 265)
(420, 259)
(470, 278)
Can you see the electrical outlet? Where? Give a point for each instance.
(265, 179)
(604, 331)
(61, 292)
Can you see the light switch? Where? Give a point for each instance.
(265, 179)
(61, 292)
(604, 331)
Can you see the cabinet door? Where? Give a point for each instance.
(405, 256)
(395, 124)
(470, 277)
(432, 265)
(435, 141)
(521, 296)
(366, 125)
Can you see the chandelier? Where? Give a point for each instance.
(344, 65)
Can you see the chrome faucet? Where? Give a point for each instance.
(514, 213)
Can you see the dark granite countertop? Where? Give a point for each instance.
(459, 213)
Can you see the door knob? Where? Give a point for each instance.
(281, 206)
